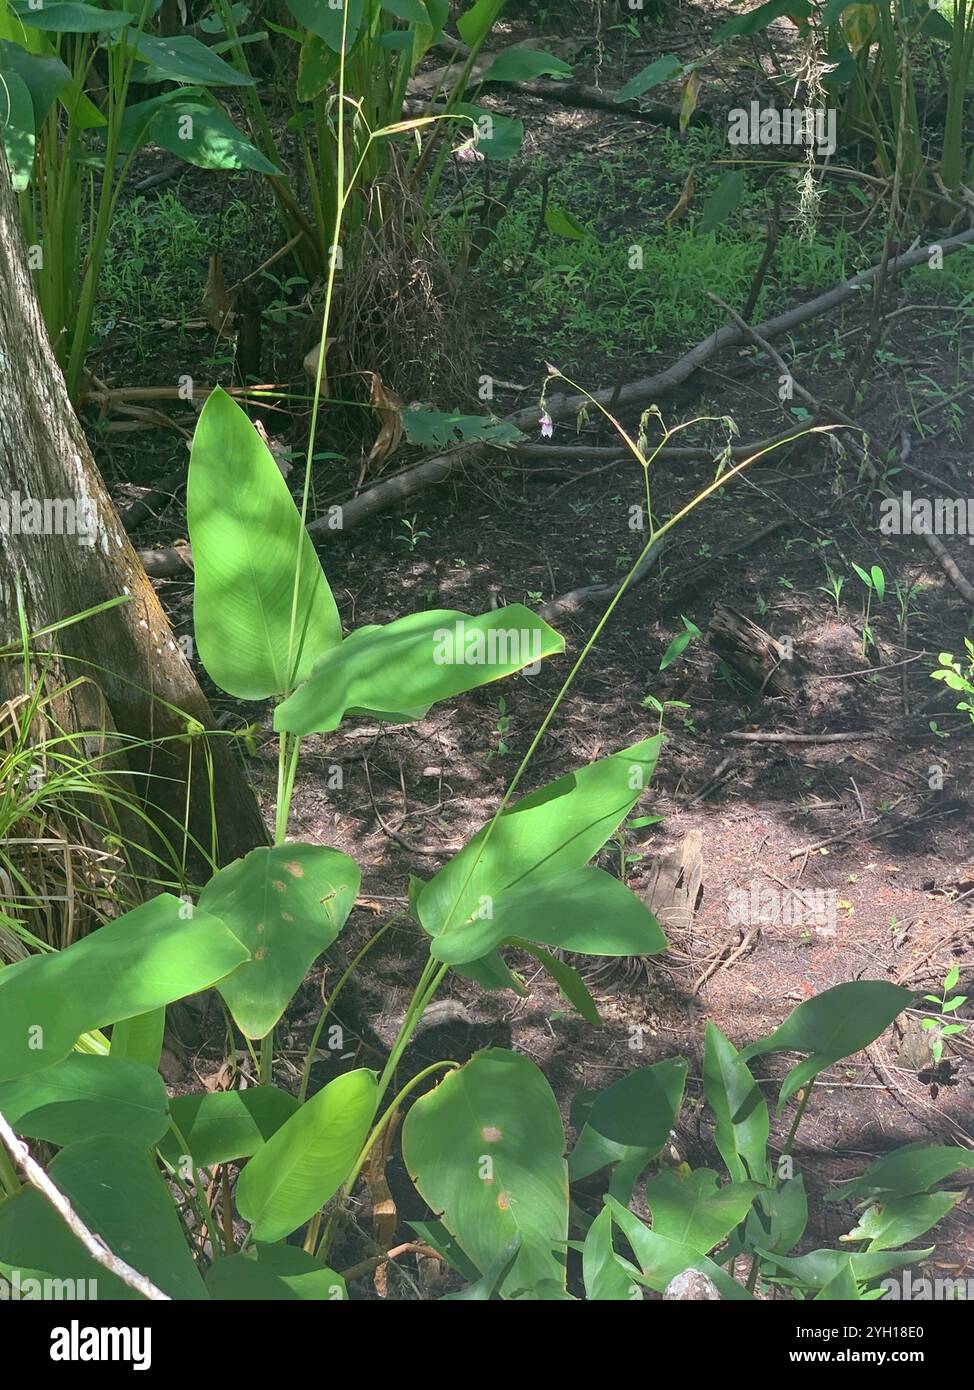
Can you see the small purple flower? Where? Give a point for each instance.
(547, 426)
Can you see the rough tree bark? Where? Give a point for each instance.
(44, 456)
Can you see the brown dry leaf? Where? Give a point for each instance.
(217, 299)
(384, 1214)
(310, 364)
(678, 210)
(388, 407)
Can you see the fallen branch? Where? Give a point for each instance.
(595, 99)
(825, 412)
(687, 452)
(94, 1244)
(165, 562)
(805, 738)
(578, 598)
(141, 510)
(646, 389)
(873, 834)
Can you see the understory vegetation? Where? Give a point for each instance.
(554, 468)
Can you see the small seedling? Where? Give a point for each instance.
(503, 725)
(834, 587)
(680, 642)
(412, 536)
(661, 706)
(953, 674)
(875, 582)
(946, 1003)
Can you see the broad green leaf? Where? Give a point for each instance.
(411, 11)
(317, 65)
(722, 201)
(913, 1168)
(564, 223)
(755, 20)
(117, 1191)
(555, 829)
(689, 1207)
(304, 1163)
(328, 20)
(275, 1273)
(220, 1126)
(660, 70)
(398, 671)
(729, 1088)
(606, 1277)
(676, 648)
(816, 1269)
(628, 1124)
(44, 76)
(247, 537)
(661, 1259)
(437, 429)
(425, 35)
(70, 17)
(17, 129)
(585, 910)
(841, 1288)
(435, 1235)
(778, 1218)
(498, 137)
(935, 25)
(892, 1224)
(879, 582)
(84, 1096)
(482, 1290)
(139, 1039)
(398, 40)
(476, 23)
(567, 979)
(524, 64)
(35, 1244)
(833, 1025)
(286, 905)
(184, 59)
(492, 972)
(485, 1149)
(195, 130)
(149, 957)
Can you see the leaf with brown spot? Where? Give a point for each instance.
(287, 905)
(489, 1192)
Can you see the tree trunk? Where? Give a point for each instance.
(78, 557)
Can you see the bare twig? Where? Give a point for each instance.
(853, 737)
(94, 1245)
